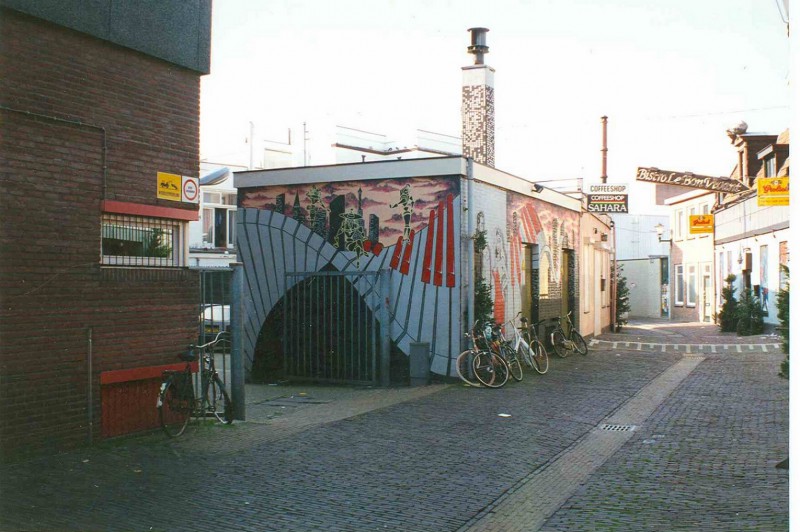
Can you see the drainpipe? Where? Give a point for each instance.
(470, 247)
(89, 394)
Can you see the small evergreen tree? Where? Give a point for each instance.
(750, 317)
(484, 306)
(623, 297)
(783, 317)
(727, 314)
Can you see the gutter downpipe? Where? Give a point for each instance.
(470, 247)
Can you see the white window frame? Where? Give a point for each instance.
(680, 288)
(691, 285)
(213, 200)
(680, 222)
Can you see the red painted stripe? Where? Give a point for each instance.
(426, 261)
(138, 209)
(499, 300)
(451, 250)
(526, 222)
(396, 256)
(437, 264)
(537, 225)
(138, 374)
(407, 254)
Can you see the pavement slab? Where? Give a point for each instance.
(708, 431)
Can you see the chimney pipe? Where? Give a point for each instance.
(604, 150)
(478, 45)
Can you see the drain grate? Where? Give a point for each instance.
(618, 428)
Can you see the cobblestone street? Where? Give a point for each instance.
(629, 437)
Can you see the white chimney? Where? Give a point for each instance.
(477, 103)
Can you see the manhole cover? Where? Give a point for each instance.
(618, 428)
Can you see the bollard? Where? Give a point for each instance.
(419, 363)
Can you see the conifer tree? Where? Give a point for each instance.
(783, 317)
(727, 314)
(623, 297)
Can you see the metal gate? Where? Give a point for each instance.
(331, 332)
(215, 313)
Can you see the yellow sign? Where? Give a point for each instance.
(773, 191)
(169, 186)
(701, 223)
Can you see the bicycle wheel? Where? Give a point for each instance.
(540, 360)
(579, 342)
(174, 408)
(525, 353)
(513, 361)
(560, 343)
(464, 368)
(490, 369)
(218, 401)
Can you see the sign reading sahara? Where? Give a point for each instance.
(607, 198)
(773, 191)
(688, 179)
(174, 187)
(701, 223)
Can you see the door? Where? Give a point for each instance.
(707, 297)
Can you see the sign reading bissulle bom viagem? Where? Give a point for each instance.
(607, 198)
(688, 179)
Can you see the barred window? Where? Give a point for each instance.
(142, 241)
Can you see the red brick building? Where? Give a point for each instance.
(95, 296)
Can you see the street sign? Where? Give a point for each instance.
(190, 190)
(688, 179)
(607, 198)
(169, 186)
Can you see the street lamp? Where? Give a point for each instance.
(660, 231)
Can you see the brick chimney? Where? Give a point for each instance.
(477, 103)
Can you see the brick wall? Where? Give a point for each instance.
(53, 292)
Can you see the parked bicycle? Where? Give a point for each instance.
(533, 352)
(567, 340)
(509, 352)
(479, 365)
(177, 401)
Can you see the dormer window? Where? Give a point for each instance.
(770, 167)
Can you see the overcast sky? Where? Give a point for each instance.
(671, 76)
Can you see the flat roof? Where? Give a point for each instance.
(399, 169)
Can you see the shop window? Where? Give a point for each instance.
(691, 285)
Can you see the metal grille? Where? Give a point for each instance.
(330, 333)
(618, 428)
(142, 241)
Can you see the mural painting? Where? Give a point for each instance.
(408, 226)
(529, 221)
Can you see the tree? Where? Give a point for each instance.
(750, 317)
(727, 314)
(783, 317)
(484, 306)
(623, 297)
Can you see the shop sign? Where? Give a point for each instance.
(701, 224)
(607, 198)
(773, 191)
(688, 179)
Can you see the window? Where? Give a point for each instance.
(769, 167)
(721, 277)
(705, 208)
(219, 219)
(691, 286)
(142, 241)
(679, 223)
(692, 212)
(679, 288)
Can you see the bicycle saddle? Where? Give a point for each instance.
(189, 355)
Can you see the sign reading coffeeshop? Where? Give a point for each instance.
(688, 179)
(607, 198)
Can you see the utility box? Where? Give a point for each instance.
(419, 363)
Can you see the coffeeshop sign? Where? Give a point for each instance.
(688, 179)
